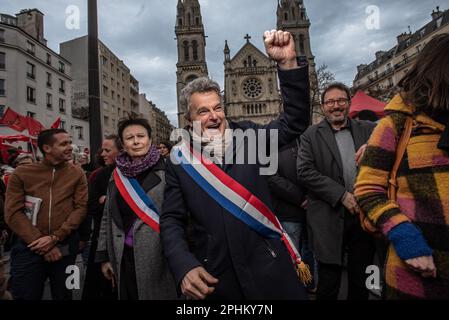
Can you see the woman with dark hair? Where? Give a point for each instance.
(129, 245)
(165, 149)
(417, 222)
(95, 285)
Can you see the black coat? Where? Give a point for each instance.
(320, 170)
(287, 193)
(223, 244)
(96, 286)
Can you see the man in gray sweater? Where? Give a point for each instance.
(327, 168)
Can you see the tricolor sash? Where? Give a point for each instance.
(137, 199)
(237, 200)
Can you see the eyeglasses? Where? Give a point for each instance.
(341, 102)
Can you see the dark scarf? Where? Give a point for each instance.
(132, 169)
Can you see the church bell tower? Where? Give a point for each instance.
(191, 42)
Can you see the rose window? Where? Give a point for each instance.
(252, 88)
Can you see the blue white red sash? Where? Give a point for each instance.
(232, 196)
(137, 199)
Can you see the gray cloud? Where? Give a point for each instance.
(141, 33)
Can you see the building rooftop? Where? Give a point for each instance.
(405, 40)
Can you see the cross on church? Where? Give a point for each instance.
(247, 37)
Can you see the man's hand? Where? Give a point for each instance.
(350, 203)
(423, 265)
(359, 155)
(195, 284)
(108, 272)
(43, 245)
(280, 47)
(53, 255)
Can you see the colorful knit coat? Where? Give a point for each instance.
(422, 197)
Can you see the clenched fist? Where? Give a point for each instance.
(280, 47)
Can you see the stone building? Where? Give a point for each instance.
(119, 90)
(35, 81)
(251, 86)
(380, 77)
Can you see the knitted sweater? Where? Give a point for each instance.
(422, 197)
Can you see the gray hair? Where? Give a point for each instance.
(199, 85)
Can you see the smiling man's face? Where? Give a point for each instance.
(336, 106)
(207, 108)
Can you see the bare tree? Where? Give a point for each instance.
(319, 81)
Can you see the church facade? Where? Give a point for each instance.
(251, 86)
(251, 90)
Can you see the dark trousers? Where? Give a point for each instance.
(96, 286)
(128, 282)
(29, 271)
(360, 249)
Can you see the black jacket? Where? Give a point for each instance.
(287, 193)
(223, 243)
(3, 225)
(320, 170)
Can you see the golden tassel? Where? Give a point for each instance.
(304, 274)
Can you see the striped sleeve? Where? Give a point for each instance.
(372, 181)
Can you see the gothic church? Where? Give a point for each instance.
(251, 88)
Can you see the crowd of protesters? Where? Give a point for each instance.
(150, 228)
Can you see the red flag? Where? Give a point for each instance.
(16, 138)
(34, 126)
(14, 120)
(56, 124)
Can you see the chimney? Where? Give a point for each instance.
(32, 22)
(403, 37)
(436, 14)
(379, 54)
(361, 67)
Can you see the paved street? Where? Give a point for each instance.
(79, 262)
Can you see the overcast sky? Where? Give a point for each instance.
(141, 33)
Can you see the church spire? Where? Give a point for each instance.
(227, 51)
